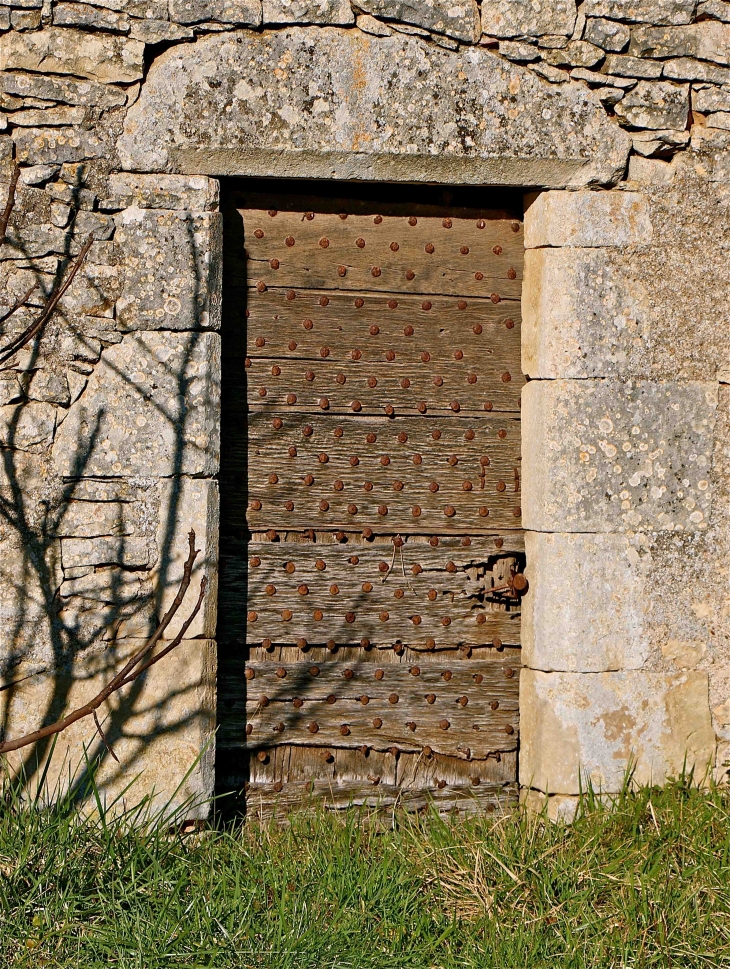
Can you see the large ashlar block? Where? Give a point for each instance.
(578, 727)
(161, 727)
(170, 262)
(151, 406)
(188, 503)
(587, 219)
(610, 456)
(584, 314)
(586, 605)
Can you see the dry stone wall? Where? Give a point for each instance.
(122, 112)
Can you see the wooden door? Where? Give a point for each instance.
(371, 542)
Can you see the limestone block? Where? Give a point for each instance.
(710, 99)
(42, 146)
(460, 19)
(188, 503)
(717, 9)
(158, 727)
(606, 34)
(559, 808)
(308, 12)
(584, 314)
(623, 65)
(67, 90)
(131, 552)
(707, 41)
(688, 69)
(170, 265)
(643, 11)
(61, 115)
(48, 386)
(610, 456)
(82, 15)
(158, 31)
(655, 104)
(130, 190)
(587, 219)
(150, 407)
(515, 18)
(145, 9)
(576, 53)
(27, 425)
(244, 12)
(374, 116)
(88, 519)
(719, 120)
(60, 50)
(578, 727)
(585, 607)
(112, 586)
(372, 26)
(30, 576)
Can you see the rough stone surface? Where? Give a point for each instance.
(493, 121)
(688, 69)
(456, 19)
(68, 90)
(241, 12)
(56, 50)
(711, 99)
(171, 264)
(156, 732)
(188, 503)
(587, 219)
(577, 728)
(307, 12)
(162, 192)
(152, 394)
(585, 609)
(609, 456)
(655, 104)
(623, 65)
(643, 11)
(515, 18)
(708, 41)
(607, 34)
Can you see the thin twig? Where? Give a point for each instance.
(19, 302)
(103, 738)
(37, 325)
(129, 671)
(9, 203)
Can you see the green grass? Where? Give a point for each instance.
(645, 883)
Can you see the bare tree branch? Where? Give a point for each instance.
(19, 302)
(59, 291)
(134, 667)
(103, 737)
(9, 203)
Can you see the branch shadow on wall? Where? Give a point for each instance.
(57, 635)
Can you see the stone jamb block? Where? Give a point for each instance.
(577, 728)
(134, 190)
(585, 608)
(171, 264)
(615, 456)
(587, 219)
(188, 503)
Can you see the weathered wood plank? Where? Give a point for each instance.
(264, 802)
(424, 597)
(352, 388)
(389, 475)
(393, 255)
(451, 329)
